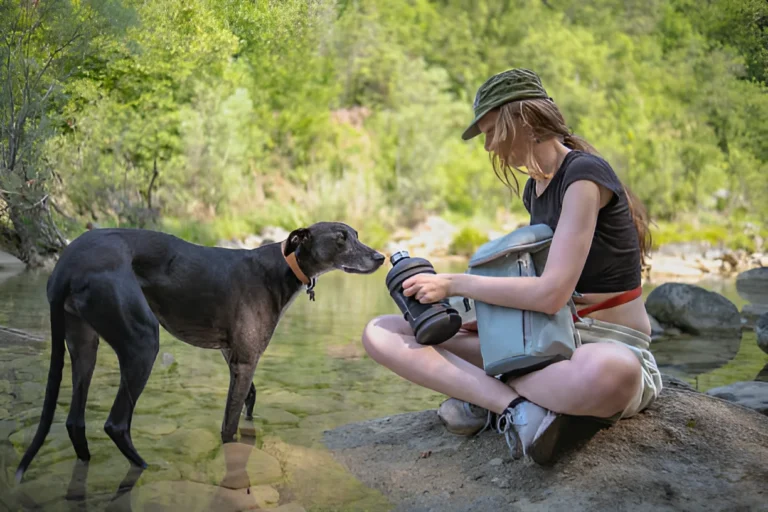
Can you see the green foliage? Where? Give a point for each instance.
(467, 241)
(233, 115)
(42, 47)
(717, 232)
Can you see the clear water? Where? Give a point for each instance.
(314, 376)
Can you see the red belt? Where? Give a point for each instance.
(618, 300)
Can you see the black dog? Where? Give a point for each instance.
(121, 284)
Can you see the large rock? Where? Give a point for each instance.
(761, 329)
(693, 309)
(687, 451)
(752, 285)
(751, 393)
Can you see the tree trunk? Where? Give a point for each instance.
(34, 238)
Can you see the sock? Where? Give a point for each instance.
(514, 402)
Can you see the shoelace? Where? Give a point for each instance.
(505, 425)
(507, 419)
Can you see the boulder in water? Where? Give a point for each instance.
(693, 309)
(752, 285)
(750, 393)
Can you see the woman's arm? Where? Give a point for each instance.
(547, 293)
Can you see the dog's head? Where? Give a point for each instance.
(327, 246)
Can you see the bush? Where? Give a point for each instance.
(467, 241)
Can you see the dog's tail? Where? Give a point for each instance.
(52, 388)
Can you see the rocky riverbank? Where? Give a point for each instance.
(687, 451)
(436, 238)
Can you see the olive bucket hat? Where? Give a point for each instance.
(511, 85)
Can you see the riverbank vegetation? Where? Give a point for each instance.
(211, 119)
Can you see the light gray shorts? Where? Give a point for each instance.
(597, 331)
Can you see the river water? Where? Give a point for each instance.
(314, 376)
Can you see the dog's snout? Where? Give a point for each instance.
(377, 257)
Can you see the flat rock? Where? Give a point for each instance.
(194, 444)
(272, 416)
(240, 465)
(153, 426)
(693, 309)
(193, 497)
(751, 393)
(687, 451)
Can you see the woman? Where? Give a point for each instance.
(600, 240)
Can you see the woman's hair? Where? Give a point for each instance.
(544, 120)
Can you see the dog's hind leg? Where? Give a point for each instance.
(82, 343)
(250, 399)
(116, 308)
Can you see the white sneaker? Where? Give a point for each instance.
(462, 418)
(530, 430)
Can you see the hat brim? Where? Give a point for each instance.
(472, 130)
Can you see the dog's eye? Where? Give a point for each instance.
(342, 236)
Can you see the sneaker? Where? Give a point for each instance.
(542, 449)
(463, 418)
(530, 430)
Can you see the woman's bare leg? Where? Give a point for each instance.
(599, 379)
(390, 342)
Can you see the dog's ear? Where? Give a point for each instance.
(295, 239)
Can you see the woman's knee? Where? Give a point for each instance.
(382, 334)
(612, 373)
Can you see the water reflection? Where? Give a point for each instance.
(233, 493)
(690, 356)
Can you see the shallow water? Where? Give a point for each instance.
(314, 376)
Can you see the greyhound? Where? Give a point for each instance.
(122, 284)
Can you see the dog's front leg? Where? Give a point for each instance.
(240, 381)
(250, 399)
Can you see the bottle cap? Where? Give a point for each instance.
(398, 255)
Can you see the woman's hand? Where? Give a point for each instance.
(428, 288)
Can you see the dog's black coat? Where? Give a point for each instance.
(122, 284)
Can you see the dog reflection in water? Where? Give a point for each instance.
(232, 493)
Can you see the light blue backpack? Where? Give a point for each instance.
(514, 342)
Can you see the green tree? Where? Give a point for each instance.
(43, 45)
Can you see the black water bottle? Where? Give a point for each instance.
(431, 323)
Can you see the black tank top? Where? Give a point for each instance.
(613, 262)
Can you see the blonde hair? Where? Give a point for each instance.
(542, 119)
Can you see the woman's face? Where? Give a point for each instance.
(513, 150)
